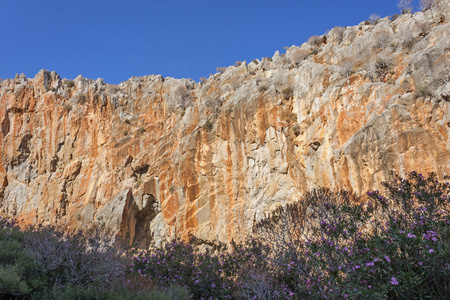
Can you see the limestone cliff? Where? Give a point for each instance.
(158, 156)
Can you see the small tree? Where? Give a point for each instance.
(315, 41)
(382, 39)
(407, 39)
(443, 72)
(426, 4)
(374, 18)
(405, 6)
(347, 65)
(299, 55)
(183, 96)
(382, 67)
(337, 34)
(423, 28)
(221, 69)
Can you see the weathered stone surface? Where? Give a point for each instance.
(155, 156)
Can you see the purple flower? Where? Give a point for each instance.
(387, 258)
(394, 281)
(431, 250)
(410, 235)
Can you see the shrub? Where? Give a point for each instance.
(374, 18)
(382, 67)
(296, 129)
(221, 69)
(407, 39)
(426, 4)
(299, 55)
(172, 189)
(337, 245)
(183, 96)
(71, 84)
(127, 121)
(405, 6)
(382, 39)
(217, 272)
(337, 34)
(80, 98)
(82, 258)
(443, 72)
(394, 17)
(423, 28)
(125, 132)
(315, 41)
(423, 91)
(67, 107)
(347, 65)
(208, 125)
(287, 93)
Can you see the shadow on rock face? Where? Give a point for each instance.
(135, 229)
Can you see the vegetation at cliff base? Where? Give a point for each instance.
(391, 244)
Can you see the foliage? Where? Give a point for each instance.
(393, 246)
(296, 129)
(212, 273)
(382, 39)
(407, 39)
(299, 55)
(423, 28)
(405, 6)
(382, 67)
(423, 91)
(315, 41)
(426, 4)
(208, 125)
(337, 34)
(80, 98)
(67, 107)
(221, 69)
(287, 93)
(347, 65)
(443, 72)
(45, 263)
(71, 84)
(374, 18)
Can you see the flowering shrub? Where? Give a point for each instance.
(212, 273)
(45, 263)
(394, 245)
(335, 245)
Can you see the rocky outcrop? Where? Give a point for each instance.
(155, 156)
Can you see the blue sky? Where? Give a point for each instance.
(115, 40)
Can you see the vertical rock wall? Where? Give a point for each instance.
(157, 156)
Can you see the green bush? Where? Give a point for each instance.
(392, 246)
(287, 93)
(67, 107)
(208, 125)
(423, 91)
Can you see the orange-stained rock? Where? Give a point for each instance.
(154, 157)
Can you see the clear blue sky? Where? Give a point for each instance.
(116, 39)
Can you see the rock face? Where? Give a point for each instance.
(154, 157)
